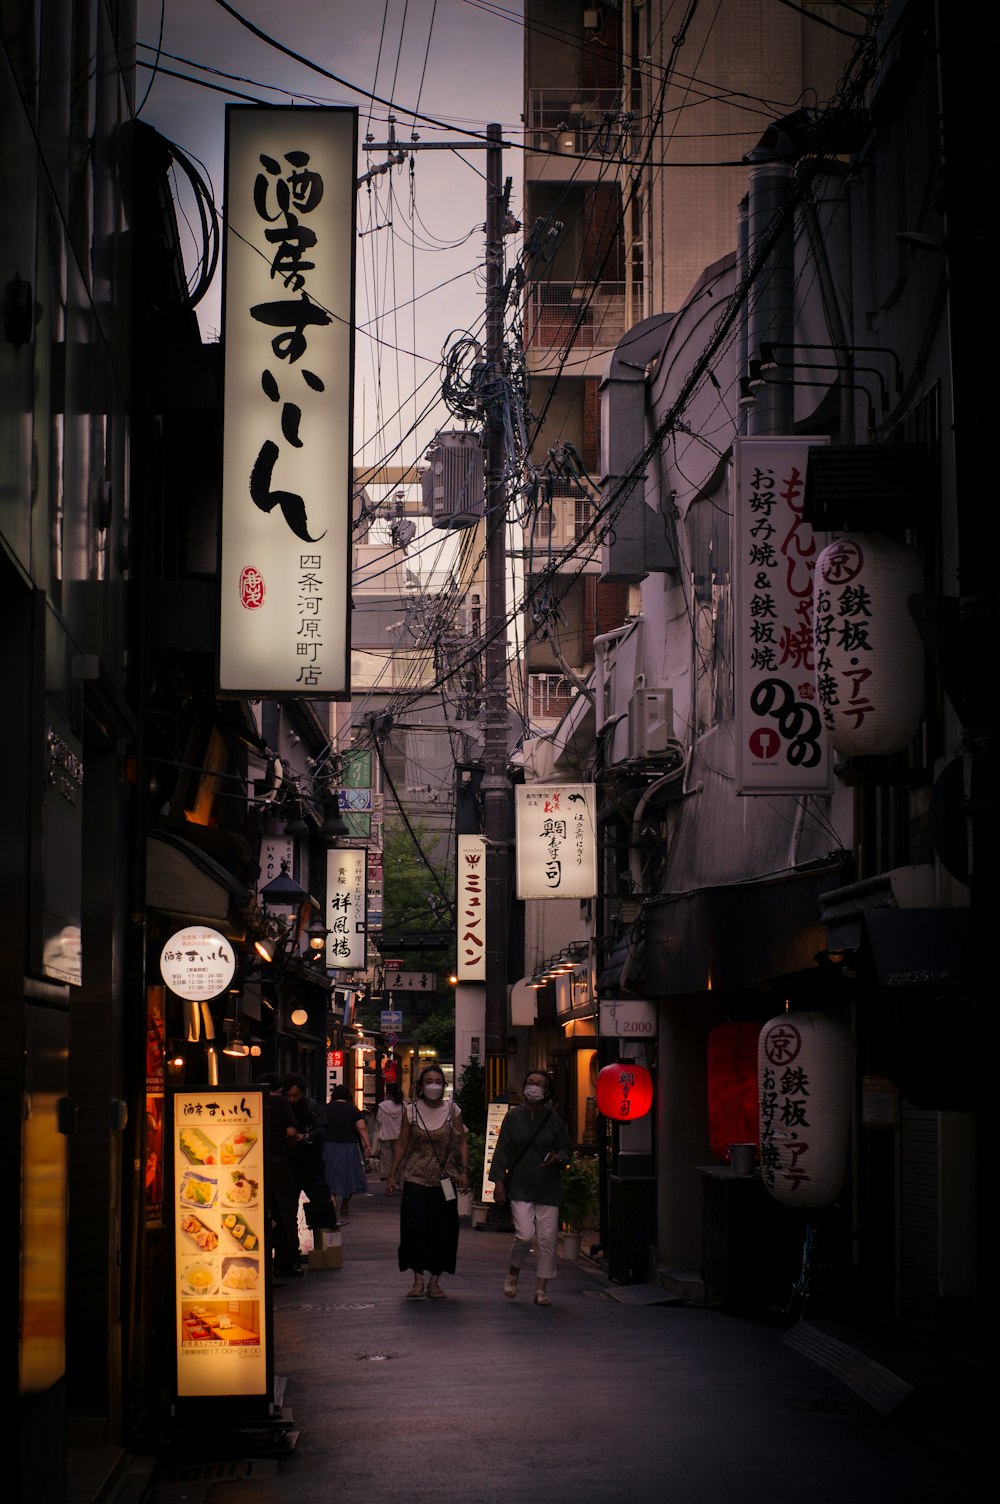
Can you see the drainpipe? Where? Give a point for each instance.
(771, 303)
(600, 684)
(742, 265)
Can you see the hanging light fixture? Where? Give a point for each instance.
(317, 934)
(334, 827)
(296, 826)
(234, 1045)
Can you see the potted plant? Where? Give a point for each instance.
(579, 1201)
(477, 1158)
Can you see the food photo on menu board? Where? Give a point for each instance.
(220, 1323)
(220, 1242)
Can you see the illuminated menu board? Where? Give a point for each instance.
(221, 1243)
(495, 1114)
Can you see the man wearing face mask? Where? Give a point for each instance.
(532, 1147)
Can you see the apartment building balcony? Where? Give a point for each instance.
(587, 318)
(562, 530)
(572, 135)
(549, 698)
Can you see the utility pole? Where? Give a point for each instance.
(496, 783)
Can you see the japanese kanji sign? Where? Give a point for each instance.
(471, 917)
(346, 902)
(197, 963)
(287, 449)
(556, 840)
(780, 744)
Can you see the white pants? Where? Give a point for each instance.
(536, 1225)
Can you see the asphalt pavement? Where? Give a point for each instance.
(611, 1394)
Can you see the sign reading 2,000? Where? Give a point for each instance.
(798, 724)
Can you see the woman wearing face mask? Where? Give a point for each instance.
(433, 1151)
(533, 1145)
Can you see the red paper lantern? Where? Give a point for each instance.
(624, 1091)
(733, 1116)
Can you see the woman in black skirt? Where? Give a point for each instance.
(433, 1152)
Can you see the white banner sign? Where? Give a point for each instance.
(781, 747)
(414, 981)
(287, 444)
(220, 1242)
(628, 1018)
(346, 908)
(471, 918)
(556, 840)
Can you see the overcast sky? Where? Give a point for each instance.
(460, 62)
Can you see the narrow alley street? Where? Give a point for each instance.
(602, 1397)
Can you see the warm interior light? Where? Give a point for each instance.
(299, 1017)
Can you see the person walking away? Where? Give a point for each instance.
(346, 1138)
(282, 1199)
(307, 1153)
(532, 1148)
(388, 1122)
(432, 1152)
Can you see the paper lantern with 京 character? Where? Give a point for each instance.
(868, 652)
(804, 1075)
(732, 1085)
(624, 1091)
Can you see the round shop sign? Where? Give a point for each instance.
(197, 963)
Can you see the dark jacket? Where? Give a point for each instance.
(530, 1179)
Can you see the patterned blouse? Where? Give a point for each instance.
(434, 1140)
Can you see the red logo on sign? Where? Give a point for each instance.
(765, 743)
(252, 588)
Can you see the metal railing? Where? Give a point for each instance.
(581, 315)
(549, 696)
(574, 121)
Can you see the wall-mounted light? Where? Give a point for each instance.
(266, 947)
(299, 1016)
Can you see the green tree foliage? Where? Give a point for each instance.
(413, 904)
(438, 1031)
(470, 1094)
(412, 901)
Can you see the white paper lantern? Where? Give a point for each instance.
(869, 655)
(804, 1075)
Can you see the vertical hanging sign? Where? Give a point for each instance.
(471, 946)
(346, 908)
(288, 315)
(556, 840)
(781, 747)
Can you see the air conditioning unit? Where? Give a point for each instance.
(650, 723)
(452, 486)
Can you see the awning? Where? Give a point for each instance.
(189, 887)
(920, 950)
(736, 936)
